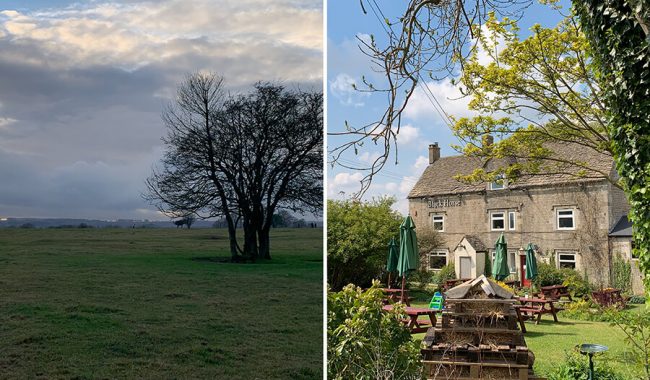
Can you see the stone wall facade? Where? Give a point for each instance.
(532, 215)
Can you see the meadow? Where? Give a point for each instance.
(551, 342)
(158, 303)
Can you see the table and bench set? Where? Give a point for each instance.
(533, 307)
(413, 314)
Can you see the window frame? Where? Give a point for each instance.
(437, 253)
(433, 222)
(494, 185)
(557, 219)
(492, 219)
(559, 261)
(512, 226)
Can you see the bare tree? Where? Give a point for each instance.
(240, 157)
(188, 180)
(275, 144)
(426, 41)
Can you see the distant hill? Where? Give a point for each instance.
(94, 223)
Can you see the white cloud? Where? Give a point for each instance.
(137, 34)
(6, 121)
(364, 37)
(343, 88)
(421, 105)
(407, 135)
(391, 187)
(344, 185)
(421, 163)
(495, 45)
(368, 157)
(452, 101)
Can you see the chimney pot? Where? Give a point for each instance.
(434, 153)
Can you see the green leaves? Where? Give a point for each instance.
(621, 50)
(358, 234)
(528, 93)
(366, 342)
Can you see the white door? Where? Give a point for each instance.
(465, 267)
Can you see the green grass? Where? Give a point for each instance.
(550, 342)
(139, 303)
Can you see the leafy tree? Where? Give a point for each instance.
(241, 157)
(358, 234)
(428, 240)
(546, 95)
(366, 342)
(619, 36)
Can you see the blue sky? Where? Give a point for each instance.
(83, 84)
(35, 4)
(421, 126)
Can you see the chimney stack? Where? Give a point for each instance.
(434, 153)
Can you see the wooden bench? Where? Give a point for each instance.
(538, 306)
(555, 292)
(412, 320)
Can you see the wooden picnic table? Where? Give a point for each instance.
(538, 306)
(395, 295)
(555, 292)
(414, 324)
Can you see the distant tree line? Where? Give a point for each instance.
(187, 221)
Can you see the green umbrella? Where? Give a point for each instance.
(531, 262)
(500, 268)
(409, 258)
(393, 257)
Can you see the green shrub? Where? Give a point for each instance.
(548, 275)
(585, 310)
(357, 240)
(576, 367)
(622, 274)
(422, 278)
(366, 342)
(448, 272)
(579, 287)
(523, 291)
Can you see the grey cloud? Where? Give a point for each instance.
(85, 130)
(80, 190)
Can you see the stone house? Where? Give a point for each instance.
(568, 218)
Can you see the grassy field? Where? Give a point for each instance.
(551, 341)
(147, 303)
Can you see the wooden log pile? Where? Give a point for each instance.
(478, 336)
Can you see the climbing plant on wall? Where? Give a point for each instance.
(622, 273)
(619, 34)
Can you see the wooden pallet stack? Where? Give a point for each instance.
(478, 336)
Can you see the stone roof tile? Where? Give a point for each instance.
(438, 178)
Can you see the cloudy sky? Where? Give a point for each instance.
(421, 123)
(83, 83)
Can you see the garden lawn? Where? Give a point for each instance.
(149, 303)
(550, 342)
